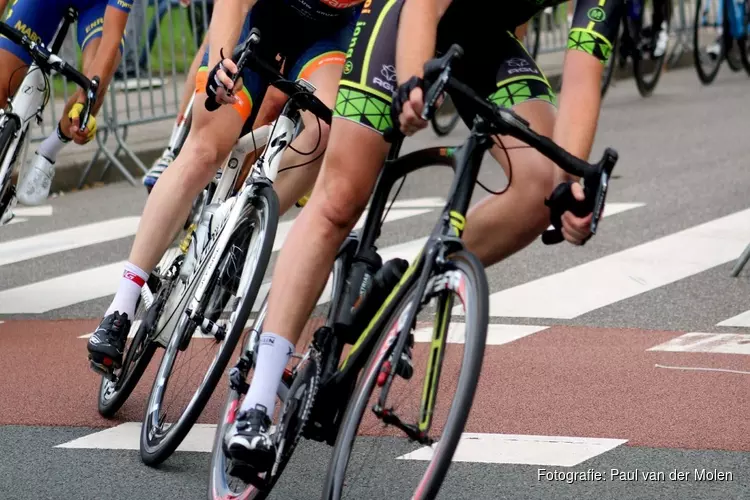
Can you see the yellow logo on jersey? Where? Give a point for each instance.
(27, 31)
(341, 4)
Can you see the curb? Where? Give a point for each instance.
(68, 175)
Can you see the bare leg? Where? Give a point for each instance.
(338, 199)
(172, 197)
(518, 216)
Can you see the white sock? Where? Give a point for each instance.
(52, 145)
(273, 355)
(133, 278)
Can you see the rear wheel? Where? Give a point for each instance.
(709, 45)
(356, 451)
(609, 69)
(250, 245)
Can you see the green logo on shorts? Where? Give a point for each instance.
(597, 14)
(348, 67)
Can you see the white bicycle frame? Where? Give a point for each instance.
(276, 138)
(25, 105)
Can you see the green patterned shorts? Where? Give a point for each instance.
(494, 64)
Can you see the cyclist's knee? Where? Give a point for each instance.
(537, 182)
(201, 159)
(342, 196)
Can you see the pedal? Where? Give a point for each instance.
(245, 472)
(103, 370)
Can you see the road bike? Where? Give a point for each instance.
(29, 102)
(637, 40)
(723, 24)
(200, 296)
(379, 312)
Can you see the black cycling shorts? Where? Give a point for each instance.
(495, 63)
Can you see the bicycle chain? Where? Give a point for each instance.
(304, 414)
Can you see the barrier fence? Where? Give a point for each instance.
(162, 38)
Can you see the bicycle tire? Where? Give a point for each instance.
(741, 43)
(706, 77)
(477, 316)
(265, 205)
(609, 69)
(113, 395)
(734, 58)
(7, 191)
(646, 87)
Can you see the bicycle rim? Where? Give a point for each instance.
(362, 451)
(158, 439)
(609, 69)
(647, 70)
(709, 44)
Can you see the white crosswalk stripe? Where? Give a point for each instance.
(58, 292)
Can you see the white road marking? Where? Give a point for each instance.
(625, 274)
(402, 209)
(66, 239)
(16, 220)
(40, 211)
(742, 319)
(62, 291)
(557, 451)
(702, 369)
(611, 208)
(127, 437)
(496, 334)
(724, 343)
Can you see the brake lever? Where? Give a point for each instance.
(436, 88)
(595, 188)
(91, 93)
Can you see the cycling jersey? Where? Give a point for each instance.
(323, 10)
(495, 63)
(299, 35)
(39, 20)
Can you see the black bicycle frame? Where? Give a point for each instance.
(466, 161)
(68, 19)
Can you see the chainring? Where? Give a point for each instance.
(296, 410)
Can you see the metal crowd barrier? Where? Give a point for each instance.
(157, 56)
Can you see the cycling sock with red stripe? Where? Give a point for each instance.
(133, 278)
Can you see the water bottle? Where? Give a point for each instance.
(363, 269)
(383, 282)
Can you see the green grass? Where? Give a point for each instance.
(175, 34)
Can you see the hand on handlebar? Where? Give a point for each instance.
(575, 229)
(222, 85)
(408, 103)
(85, 135)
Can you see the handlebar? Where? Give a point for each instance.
(437, 78)
(299, 94)
(50, 62)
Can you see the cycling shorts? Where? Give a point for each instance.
(495, 63)
(297, 45)
(39, 20)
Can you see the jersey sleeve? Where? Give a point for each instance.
(123, 5)
(595, 26)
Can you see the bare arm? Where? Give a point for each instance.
(580, 99)
(226, 24)
(416, 36)
(103, 63)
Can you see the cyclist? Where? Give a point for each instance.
(272, 103)
(496, 65)
(311, 37)
(101, 24)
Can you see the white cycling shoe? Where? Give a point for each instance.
(33, 188)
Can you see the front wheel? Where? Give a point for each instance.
(8, 130)
(448, 377)
(647, 69)
(188, 355)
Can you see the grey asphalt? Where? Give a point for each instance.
(684, 152)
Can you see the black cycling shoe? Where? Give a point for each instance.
(107, 344)
(251, 442)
